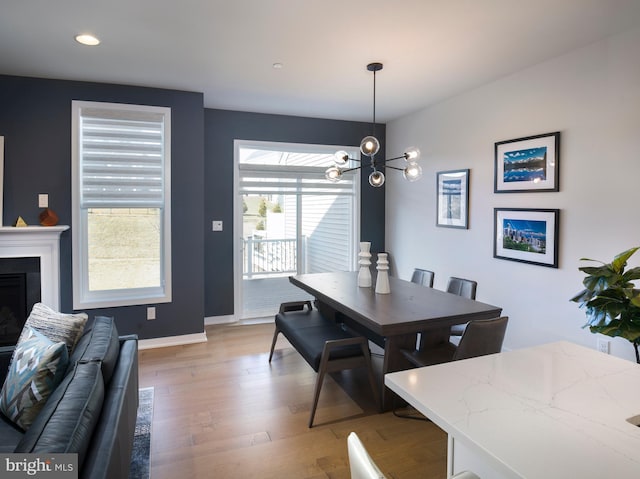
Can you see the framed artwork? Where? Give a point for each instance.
(526, 235)
(527, 164)
(453, 199)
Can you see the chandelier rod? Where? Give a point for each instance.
(373, 128)
(374, 67)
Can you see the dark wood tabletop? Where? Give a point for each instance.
(409, 308)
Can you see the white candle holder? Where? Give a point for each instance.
(382, 281)
(364, 274)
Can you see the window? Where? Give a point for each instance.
(121, 170)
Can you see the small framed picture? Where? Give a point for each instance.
(526, 235)
(453, 199)
(527, 164)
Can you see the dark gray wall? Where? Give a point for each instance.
(35, 119)
(221, 129)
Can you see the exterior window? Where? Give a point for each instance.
(121, 204)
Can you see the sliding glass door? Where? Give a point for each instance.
(289, 220)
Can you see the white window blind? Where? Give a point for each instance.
(270, 180)
(122, 159)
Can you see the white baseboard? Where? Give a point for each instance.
(172, 341)
(208, 321)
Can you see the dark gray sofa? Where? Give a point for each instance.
(92, 412)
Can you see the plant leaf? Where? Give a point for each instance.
(631, 274)
(620, 261)
(582, 297)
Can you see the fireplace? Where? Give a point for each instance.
(29, 273)
(19, 291)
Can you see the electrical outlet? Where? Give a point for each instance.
(603, 345)
(43, 200)
(216, 226)
(151, 313)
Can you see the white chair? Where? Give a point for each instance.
(465, 475)
(360, 463)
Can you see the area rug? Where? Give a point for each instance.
(139, 468)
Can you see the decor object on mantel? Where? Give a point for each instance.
(369, 146)
(611, 301)
(20, 223)
(364, 274)
(48, 217)
(382, 281)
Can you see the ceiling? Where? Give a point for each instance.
(431, 49)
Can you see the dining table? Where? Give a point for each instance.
(393, 320)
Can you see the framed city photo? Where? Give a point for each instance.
(526, 235)
(453, 199)
(527, 164)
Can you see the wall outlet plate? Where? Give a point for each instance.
(43, 200)
(603, 345)
(216, 226)
(151, 313)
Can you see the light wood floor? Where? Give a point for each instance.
(221, 410)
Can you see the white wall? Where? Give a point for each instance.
(592, 96)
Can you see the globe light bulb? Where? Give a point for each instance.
(411, 155)
(376, 179)
(340, 158)
(333, 173)
(412, 172)
(369, 145)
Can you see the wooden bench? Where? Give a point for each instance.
(324, 344)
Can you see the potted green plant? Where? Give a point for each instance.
(610, 299)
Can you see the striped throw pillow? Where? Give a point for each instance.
(56, 326)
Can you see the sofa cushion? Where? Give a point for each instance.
(10, 435)
(55, 325)
(99, 343)
(37, 367)
(67, 422)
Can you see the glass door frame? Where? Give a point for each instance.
(238, 211)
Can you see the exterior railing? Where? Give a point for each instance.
(269, 257)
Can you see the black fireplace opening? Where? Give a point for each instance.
(19, 291)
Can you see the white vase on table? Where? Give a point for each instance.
(364, 260)
(382, 281)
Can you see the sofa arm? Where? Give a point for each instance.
(128, 337)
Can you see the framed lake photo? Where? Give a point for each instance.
(453, 199)
(527, 164)
(526, 235)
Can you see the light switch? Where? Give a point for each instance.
(216, 226)
(43, 201)
(151, 313)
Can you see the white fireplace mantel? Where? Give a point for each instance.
(37, 241)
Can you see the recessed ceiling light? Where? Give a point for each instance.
(278, 66)
(87, 39)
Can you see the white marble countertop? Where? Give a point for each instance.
(557, 410)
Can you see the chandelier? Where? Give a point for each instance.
(369, 146)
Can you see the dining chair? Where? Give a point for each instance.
(360, 463)
(465, 288)
(423, 277)
(480, 337)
